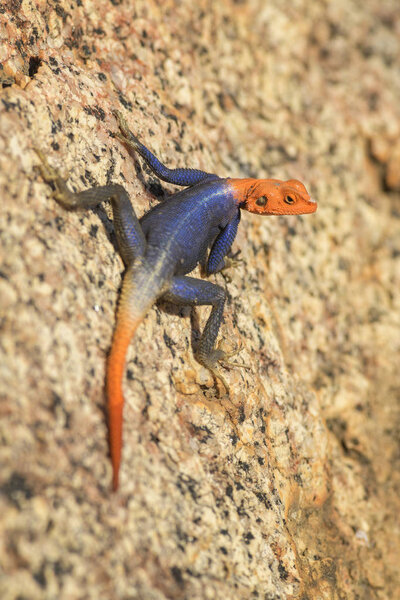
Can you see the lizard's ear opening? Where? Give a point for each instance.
(259, 205)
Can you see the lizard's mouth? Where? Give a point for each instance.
(310, 206)
(313, 205)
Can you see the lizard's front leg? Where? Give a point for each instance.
(197, 292)
(130, 237)
(217, 258)
(184, 177)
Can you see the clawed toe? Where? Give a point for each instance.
(217, 375)
(232, 261)
(125, 134)
(122, 137)
(220, 356)
(121, 119)
(227, 363)
(49, 174)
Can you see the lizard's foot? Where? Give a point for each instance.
(232, 261)
(122, 124)
(220, 356)
(209, 361)
(217, 375)
(125, 134)
(223, 356)
(49, 174)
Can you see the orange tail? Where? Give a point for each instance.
(139, 291)
(115, 372)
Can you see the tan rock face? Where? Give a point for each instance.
(290, 487)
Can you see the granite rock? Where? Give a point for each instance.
(290, 487)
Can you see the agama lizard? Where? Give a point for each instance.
(167, 243)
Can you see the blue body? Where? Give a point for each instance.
(181, 229)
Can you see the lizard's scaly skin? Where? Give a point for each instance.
(195, 225)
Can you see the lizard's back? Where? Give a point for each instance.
(180, 230)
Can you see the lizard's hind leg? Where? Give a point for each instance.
(196, 292)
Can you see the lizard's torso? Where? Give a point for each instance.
(180, 230)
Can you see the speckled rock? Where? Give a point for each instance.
(290, 487)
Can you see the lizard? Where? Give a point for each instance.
(196, 225)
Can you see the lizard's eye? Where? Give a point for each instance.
(262, 201)
(289, 200)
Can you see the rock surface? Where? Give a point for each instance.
(289, 488)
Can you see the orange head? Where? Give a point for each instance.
(272, 196)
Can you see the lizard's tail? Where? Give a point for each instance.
(134, 302)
